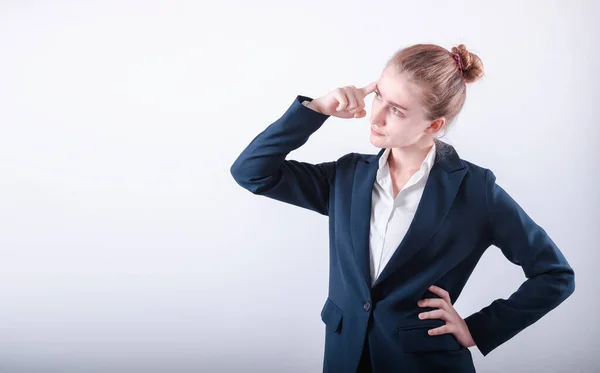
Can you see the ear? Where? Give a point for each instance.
(436, 126)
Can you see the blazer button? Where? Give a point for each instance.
(367, 306)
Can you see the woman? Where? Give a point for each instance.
(407, 225)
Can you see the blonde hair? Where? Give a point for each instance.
(439, 75)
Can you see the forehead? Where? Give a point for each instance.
(396, 88)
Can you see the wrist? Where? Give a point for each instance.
(312, 105)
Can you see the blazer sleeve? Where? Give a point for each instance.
(262, 167)
(550, 278)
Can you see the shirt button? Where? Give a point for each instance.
(367, 306)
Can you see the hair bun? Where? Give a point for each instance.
(471, 63)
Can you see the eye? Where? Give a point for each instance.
(397, 112)
(394, 110)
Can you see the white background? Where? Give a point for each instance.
(125, 244)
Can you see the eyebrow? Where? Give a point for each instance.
(393, 103)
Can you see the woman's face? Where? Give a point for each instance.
(397, 116)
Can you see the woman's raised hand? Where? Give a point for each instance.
(344, 102)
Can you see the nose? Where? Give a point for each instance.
(378, 115)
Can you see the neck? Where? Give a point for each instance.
(408, 159)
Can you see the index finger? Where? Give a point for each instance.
(441, 292)
(364, 91)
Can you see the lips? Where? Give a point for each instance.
(375, 132)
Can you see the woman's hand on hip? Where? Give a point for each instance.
(454, 323)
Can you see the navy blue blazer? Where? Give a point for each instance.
(462, 212)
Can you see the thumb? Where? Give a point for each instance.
(360, 114)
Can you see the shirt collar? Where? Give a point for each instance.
(425, 165)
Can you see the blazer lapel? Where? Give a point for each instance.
(360, 211)
(440, 191)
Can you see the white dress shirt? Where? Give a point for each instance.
(391, 217)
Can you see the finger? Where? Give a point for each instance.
(352, 104)
(444, 329)
(339, 95)
(441, 292)
(360, 102)
(436, 314)
(433, 302)
(356, 110)
(360, 114)
(369, 88)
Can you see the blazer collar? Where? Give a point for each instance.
(445, 154)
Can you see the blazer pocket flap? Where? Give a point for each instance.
(416, 339)
(332, 316)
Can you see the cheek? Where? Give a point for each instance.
(403, 130)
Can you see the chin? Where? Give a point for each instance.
(377, 141)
